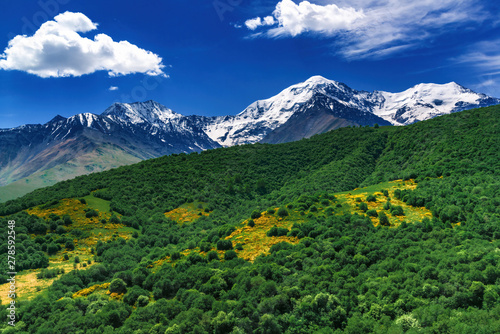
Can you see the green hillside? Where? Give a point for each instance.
(359, 230)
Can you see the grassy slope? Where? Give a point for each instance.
(101, 159)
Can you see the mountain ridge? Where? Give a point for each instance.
(144, 130)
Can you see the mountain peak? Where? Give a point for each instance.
(141, 112)
(57, 118)
(318, 79)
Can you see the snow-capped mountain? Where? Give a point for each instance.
(318, 105)
(425, 101)
(127, 133)
(67, 147)
(264, 116)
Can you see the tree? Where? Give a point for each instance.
(229, 255)
(60, 230)
(282, 212)
(363, 206)
(224, 245)
(117, 286)
(383, 219)
(397, 211)
(371, 198)
(255, 214)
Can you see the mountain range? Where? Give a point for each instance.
(33, 156)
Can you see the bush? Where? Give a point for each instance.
(363, 206)
(212, 255)
(383, 219)
(117, 286)
(387, 205)
(92, 213)
(277, 231)
(224, 245)
(251, 223)
(282, 212)
(371, 198)
(229, 255)
(256, 214)
(397, 211)
(83, 201)
(69, 245)
(271, 211)
(372, 213)
(60, 230)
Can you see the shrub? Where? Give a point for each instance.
(92, 213)
(271, 211)
(387, 205)
(212, 255)
(256, 214)
(372, 213)
(363, 206)
(397, 211)
(282, 212)
(224, 245)
(251, 223)
(313, 209)
(60, 230)
(383, 219)
(229, 255)
(83, 201)
(117, 286)
(69, 245)
(371, 198)
(277, 231)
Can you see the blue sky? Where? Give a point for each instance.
(216, 57)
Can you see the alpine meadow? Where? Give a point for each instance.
(362, 229)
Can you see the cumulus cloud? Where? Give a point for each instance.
(253, 24)
(368, 28)
(58, 50)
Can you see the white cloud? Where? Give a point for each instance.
(483, 55)
(253, 24)
(369, 28)
(112, 88)
(58, 50)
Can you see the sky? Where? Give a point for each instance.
(215, 57)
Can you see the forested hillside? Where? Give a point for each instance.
(274, 238)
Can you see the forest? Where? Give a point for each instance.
(358, 230)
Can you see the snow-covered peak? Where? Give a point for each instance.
(85, 119)
(141, 112)
(425, 101)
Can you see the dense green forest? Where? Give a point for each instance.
(343, 274)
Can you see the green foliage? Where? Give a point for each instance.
(277, 231)
(372, 213)
(363, 206)
(224, 245)
(282, 212)
(343, 276)
(371, 198)
(91, 213)
(255, 215)
(383, 219)
(397, 211)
